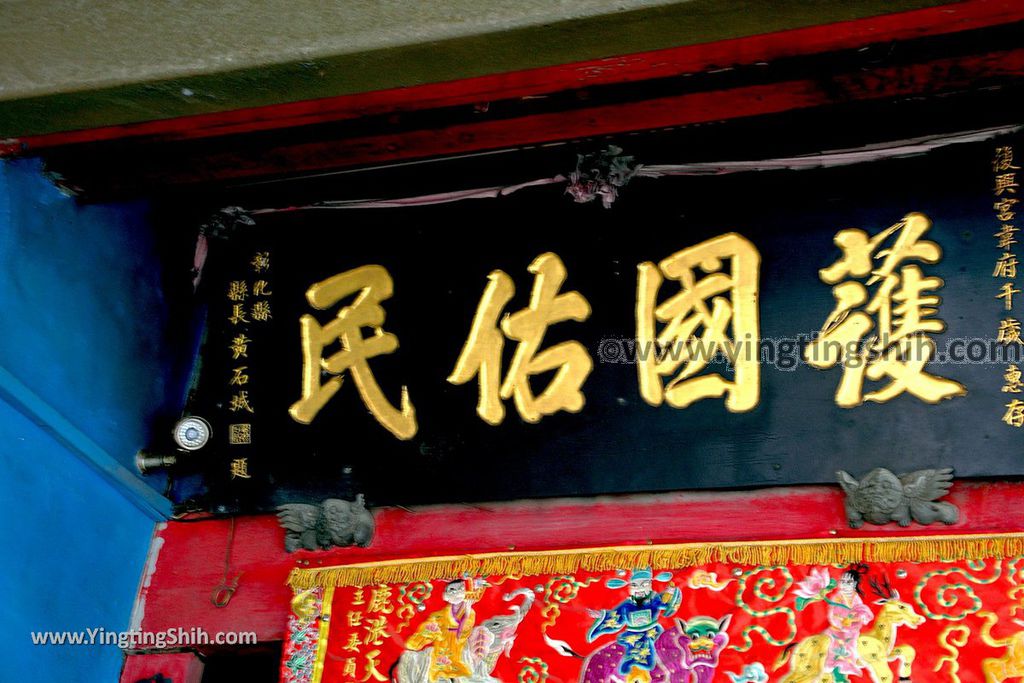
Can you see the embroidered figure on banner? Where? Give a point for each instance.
(883, 334)
(633, 655)
(449, 646)
(843, 651)
(847, 615)
(645, 652)
(442, 637)
(700, 640)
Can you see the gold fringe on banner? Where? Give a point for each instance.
(750, 553)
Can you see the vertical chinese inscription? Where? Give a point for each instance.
(1004, 173)
(246, 296)
(725, 296)
(367, 630)
(481, 356)
(881, 334)
(369, 285)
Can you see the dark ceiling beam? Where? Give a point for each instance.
(537, 82)
(932, 64)
(524, 61)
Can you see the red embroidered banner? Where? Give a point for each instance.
(953, 620)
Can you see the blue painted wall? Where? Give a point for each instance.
(87, 359)
(73, 552)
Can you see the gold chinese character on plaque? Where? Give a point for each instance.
(1009, 332)
(237, 315)
(240, 401)
(238, 290)
(1004, 209)
(1006, 237)
(1014, 415)
(370, 285)
(239, 347)
(260, 261)
(482, 354)
(240, 434)
(1006, 293)
(882, 334)
(1003, 160)
(1006, 266)
(709, 305)
(239, 376)
(1012, 380)
(260, 311)
(1006, 183)
(240, 468)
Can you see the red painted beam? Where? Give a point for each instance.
(188, 559)
(945, 19)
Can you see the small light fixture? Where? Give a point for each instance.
(192, 433)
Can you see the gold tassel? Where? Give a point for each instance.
(772, 553)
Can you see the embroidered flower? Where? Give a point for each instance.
(814, 586)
